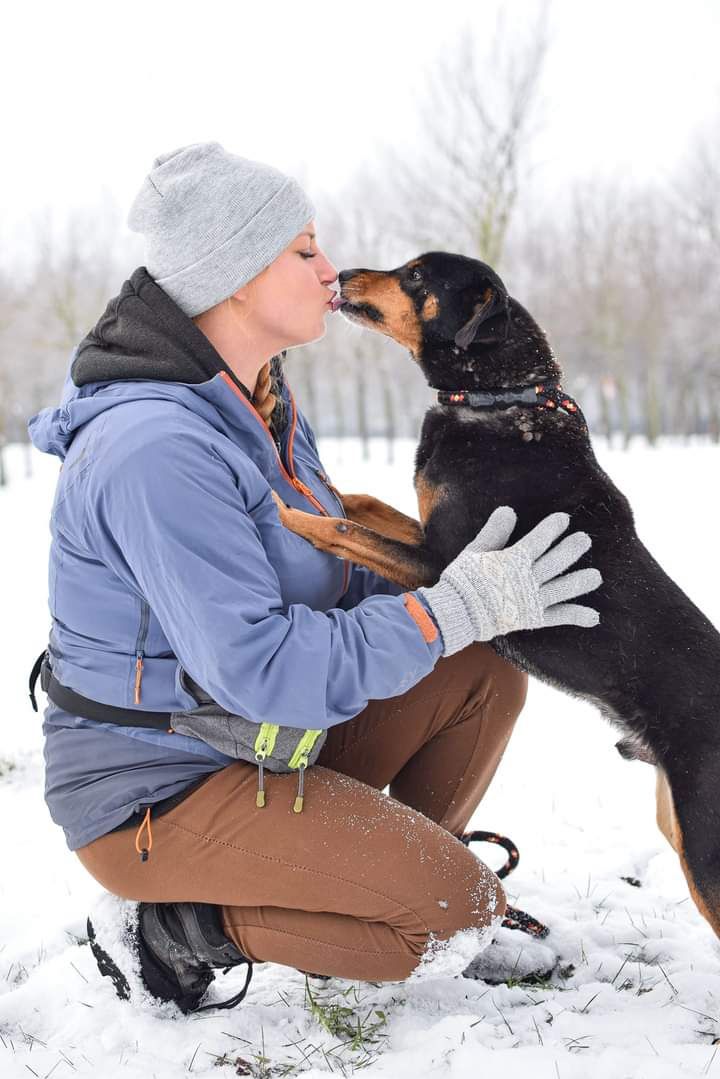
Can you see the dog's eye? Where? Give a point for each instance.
(416, 275)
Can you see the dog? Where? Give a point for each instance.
(504, 432)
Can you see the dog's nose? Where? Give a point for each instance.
(347, 275)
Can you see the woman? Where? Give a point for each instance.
(172, 583)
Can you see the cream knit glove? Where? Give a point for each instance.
(489, 590)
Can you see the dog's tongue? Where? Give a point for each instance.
(337, 301)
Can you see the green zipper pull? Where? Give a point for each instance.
(264, 745)
(260, 796)
(299, 760)
(297, 807)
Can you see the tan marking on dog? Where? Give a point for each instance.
(665, 810)
(372, 513)
(430, 307)
(348, 540)
(670, 827)
(400, 318)
(427, 496)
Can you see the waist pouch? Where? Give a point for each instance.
(270, 746)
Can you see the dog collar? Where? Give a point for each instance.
(548, 395)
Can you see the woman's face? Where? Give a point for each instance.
(290, 299)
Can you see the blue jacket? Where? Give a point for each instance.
(168, 556)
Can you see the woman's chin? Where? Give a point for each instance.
(308, 337)
(320, 331)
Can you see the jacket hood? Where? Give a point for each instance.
(143, 346)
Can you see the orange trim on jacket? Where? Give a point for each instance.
(419, 615)
(291, 478)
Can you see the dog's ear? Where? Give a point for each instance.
(492, 303)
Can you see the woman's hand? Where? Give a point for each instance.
(490, 589)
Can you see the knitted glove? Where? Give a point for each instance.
(487, 591)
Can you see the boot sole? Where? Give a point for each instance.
(106, 966)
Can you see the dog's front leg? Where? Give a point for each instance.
(378, 516)
(404, 563)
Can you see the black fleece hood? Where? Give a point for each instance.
(143, 334)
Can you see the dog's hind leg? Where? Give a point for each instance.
(665, 810)
(692, 831)
(407, 564)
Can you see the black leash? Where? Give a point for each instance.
(514, 918)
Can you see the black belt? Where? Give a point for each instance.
(77, 705)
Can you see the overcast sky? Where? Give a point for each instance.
(93, 91)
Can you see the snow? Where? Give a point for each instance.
(637, 989)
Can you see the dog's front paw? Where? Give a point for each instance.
(285, 511)
(293, 519)
(279, 502)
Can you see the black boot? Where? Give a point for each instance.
(180, 945)
(170, 950)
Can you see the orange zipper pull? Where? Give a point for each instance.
(305, 490)
(138, 677)
(144, 852)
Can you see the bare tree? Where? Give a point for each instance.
(623, 278)
(477, 121)
(74, 268)
(696, 208)
(696, 189)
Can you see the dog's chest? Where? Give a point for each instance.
(522, 424)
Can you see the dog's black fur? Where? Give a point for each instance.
(652, 665)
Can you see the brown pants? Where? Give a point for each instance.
(353, 885)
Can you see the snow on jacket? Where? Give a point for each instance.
(168, 556)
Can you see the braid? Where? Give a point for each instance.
(267, 398)
(264, 398)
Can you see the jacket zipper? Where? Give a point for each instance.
(140, 648)
(324, 478)
(290, 476)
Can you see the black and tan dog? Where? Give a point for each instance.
(504, 433)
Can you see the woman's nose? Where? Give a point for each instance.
(328, 271)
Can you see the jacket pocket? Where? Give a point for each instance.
(184, 684)
(140, 648)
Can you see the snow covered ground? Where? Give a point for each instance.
(640, 995)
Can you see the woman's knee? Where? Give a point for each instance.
(474, 903)
(461, 893)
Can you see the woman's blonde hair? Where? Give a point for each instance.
(268, 398)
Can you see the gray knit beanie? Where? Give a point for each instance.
(212, 221)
